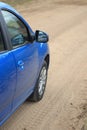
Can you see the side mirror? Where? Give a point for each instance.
(41, 37)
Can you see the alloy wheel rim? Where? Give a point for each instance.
(42, 81)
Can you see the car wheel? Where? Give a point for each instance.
(40, 85)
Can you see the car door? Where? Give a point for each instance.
(25, 54)
(7, 79)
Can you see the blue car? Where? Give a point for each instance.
(24, 62)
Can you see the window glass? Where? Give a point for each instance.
(1, 42)
(17, 30)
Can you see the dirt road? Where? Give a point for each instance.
(64, 105)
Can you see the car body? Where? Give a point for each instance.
(24, 61)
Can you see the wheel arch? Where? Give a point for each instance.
(47, 59)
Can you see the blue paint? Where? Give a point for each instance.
(19, 70)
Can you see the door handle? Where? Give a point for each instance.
(21, 64)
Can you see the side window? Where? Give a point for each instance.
(17, 30)
(1, 42)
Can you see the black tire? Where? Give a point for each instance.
(37, 95)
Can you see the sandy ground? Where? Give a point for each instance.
(64, 105)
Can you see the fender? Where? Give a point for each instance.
(43, 51)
